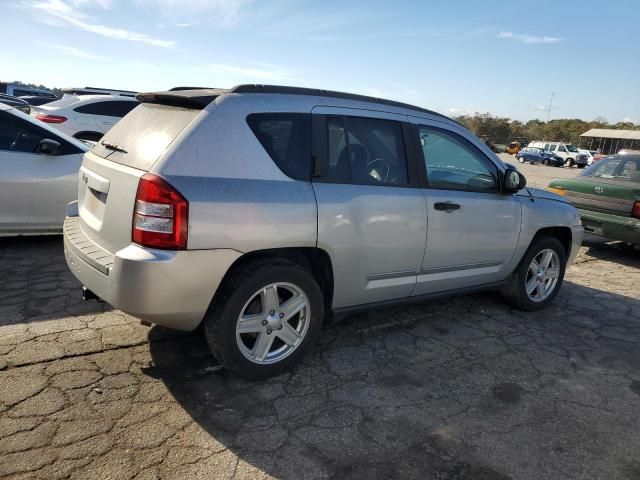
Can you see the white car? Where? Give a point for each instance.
(589, 154)
(38, 174)
(87, 117)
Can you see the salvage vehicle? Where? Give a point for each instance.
(261, 211)
(607, 195)
(38, 174)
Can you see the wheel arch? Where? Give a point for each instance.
(562, 234)
(316, 260)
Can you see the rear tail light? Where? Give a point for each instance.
(160, 215)
(635, 211)
(51, 118)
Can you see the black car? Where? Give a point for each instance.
(36, 100)
(15, 102)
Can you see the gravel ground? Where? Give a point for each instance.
(463, 388)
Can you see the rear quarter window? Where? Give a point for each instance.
(286, 137)
(109, 109)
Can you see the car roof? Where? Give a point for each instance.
(200, 98)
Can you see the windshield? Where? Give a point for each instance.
(605, 168)
(572, 148)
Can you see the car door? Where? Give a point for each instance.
(473, 228)
(34, 187)
(371, 211)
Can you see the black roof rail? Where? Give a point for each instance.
(257, 88)
(200, 98)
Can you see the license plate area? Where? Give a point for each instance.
(592, 227)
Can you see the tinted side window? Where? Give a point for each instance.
(110, 109)
(287, 139)
(365, 151)
(453, 163)
(18, 135)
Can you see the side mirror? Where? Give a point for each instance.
(513, 181)
(48, 146)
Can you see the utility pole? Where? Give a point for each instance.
(548, 114)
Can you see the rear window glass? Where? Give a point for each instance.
(144, 134)
(64, 101)
(287, 139)
(109, 109)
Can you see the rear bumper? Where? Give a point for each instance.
(615, 227)
(169, 288)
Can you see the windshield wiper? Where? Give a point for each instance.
(114, 147)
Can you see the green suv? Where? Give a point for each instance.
(607, 195)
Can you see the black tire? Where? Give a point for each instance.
(545, 162)
(569, 162)
(581, 165)
(515, 292)
(222, 316)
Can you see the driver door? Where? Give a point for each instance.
(34, 187)
(473, 228)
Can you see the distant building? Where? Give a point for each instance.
(610, 140)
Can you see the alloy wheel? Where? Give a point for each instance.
(542, 275)
(273, 323)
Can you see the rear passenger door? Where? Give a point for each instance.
(371, 211)
(473, 227)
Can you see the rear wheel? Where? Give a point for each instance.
(266, 318)
(536, 281)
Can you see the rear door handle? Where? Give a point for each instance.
(446, 206)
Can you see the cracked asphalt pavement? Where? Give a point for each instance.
(462, 388)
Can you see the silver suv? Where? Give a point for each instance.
(261, 210)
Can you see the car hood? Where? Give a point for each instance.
(540, 193)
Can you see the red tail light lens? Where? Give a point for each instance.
(51, 118)
(160, 215)
(635, 211)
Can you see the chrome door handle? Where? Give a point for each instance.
(446, 206)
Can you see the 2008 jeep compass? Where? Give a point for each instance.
(258, 210)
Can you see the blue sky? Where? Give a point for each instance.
(452, 56)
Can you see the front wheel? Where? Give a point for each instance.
(545, 162)
(569, 162)
(266, 318)
(536, 281)
(521, 159)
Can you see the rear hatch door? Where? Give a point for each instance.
(109, 176)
